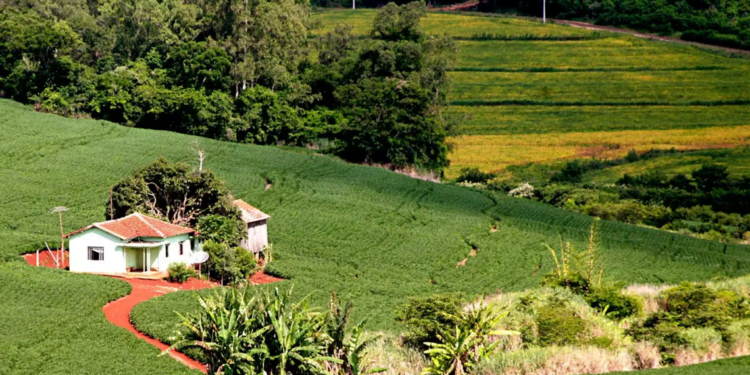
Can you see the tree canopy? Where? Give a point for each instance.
(235, 70)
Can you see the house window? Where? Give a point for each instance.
(166, 250)
(182, 250)
(96, 253)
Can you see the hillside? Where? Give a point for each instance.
(589, 93)
(370, 234)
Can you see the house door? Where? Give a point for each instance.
(135, 259)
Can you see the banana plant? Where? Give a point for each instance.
(227, 329)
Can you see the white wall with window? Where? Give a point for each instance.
(96, 251)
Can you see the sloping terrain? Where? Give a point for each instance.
(516, 77)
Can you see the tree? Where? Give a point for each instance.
(172, 192)
(396, 23)
(710, 177)
(390, 122)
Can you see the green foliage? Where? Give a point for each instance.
(474, 175)
(397, 23)
(245, 332)
(559, 325)
(222, 229)
(610, 300)
(173, 192)
(179, 273)
(572, 173)
(230, 265)
(474, 337)
(426, 318)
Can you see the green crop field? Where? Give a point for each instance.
(452, 24)
(372, 235)
(514, 119)
(600, 83)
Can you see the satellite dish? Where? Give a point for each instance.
(199, 257)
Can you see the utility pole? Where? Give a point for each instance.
(544, 11)
(354, 5)
(61, 257)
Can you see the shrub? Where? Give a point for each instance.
(559, 325)
(572, 173)
(474, 175)
(230, 265)
(180, 273)
(426, 318)
(610, 298)
(525, 190)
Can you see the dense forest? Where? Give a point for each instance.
(235, 70)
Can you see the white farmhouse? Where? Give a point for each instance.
(133, 244)
(257, 232)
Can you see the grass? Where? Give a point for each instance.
(737, 162)
(733, 366)
(497, 152)
(52, 323)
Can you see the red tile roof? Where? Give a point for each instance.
(250, 214)
(138, 225)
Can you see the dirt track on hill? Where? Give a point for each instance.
(637, 34)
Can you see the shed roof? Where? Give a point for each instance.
(137, 225)
(250, 214)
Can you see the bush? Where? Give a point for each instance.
(571, 173)
(427, 317)
(230, 265)
(474, 175)
(618, 306)
(180, 273)
(559, 325)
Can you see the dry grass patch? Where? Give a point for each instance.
(493, 153)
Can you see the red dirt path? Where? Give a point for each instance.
(118, 312)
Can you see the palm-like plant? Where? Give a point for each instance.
(226, 329)
(349, 348)
(294, 345)
(472, 339)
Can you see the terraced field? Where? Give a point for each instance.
(589, 93)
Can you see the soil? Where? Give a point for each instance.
(46, 259)
(118, 312)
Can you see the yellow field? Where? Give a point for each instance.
(493, 153)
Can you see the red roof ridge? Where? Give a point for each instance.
(138, 215)
(144, 226)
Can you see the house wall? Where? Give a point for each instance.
(118, 257)
(257, 236)
(159, 259)
(114, 259)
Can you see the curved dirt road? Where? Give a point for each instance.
(118, 312)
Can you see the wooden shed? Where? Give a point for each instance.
(257, 232)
